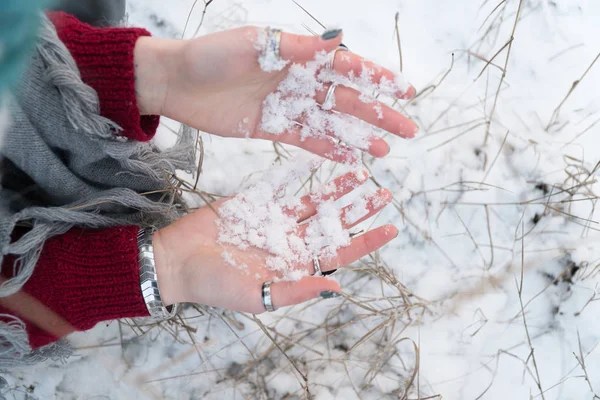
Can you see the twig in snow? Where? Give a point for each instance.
(489, 230)
(397, 29)
(309, 14)
(206, 4)
(581, 360)
(266, 332)
(532, 353)
(495, 158)
(563, 52)
(445, 142)
(471, 237)
(429, 89)
(509, 43)
(480, 58)
(491, 12)
(491, 60)
(188, 18)
(574, 86)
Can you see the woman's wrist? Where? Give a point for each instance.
(163, 270)
(156, 299)
(155, 62)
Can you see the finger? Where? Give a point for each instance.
(342, 130)
(324, 146)
(348, 101)
(300, 48)
(346, 63)
(359, 247)
(337, 188)
(364, 208)
(295, 292)
(286, 293)
(378, 147)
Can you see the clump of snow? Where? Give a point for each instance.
(360, 207)
(294, 107)
(325, 232)
(318, 194)
(366, 82)
(263, 217)
(356, 211)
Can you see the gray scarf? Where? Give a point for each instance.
(63, 166)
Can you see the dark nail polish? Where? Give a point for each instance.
(328, 294)
(331, 34)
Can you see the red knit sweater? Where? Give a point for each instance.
(87, 276)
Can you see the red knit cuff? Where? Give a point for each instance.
(105, 59)
(87, 276)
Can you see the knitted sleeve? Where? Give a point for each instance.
(82, 277)
(85, 276)
(105, 60)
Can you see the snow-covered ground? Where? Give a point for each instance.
(489, 290)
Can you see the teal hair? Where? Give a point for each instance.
(19, 22)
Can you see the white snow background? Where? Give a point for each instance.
(490, 289)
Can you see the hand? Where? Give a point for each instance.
(214, 82)
(191, 268)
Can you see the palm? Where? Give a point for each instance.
(219, 88)
(214, 94)
(202, 262)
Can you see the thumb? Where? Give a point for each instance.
(300, 48)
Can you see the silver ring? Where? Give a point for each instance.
(331, 59)
(329, 101)
(275, 42)
(269, 58)
(272, 43)
(317, 266)
(266, 296)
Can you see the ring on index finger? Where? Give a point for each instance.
(274, 42)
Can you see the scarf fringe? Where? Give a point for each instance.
(81, 106)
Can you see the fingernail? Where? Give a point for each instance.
(411, 131)
(389, 228)
(331, 34)
(328, 294)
